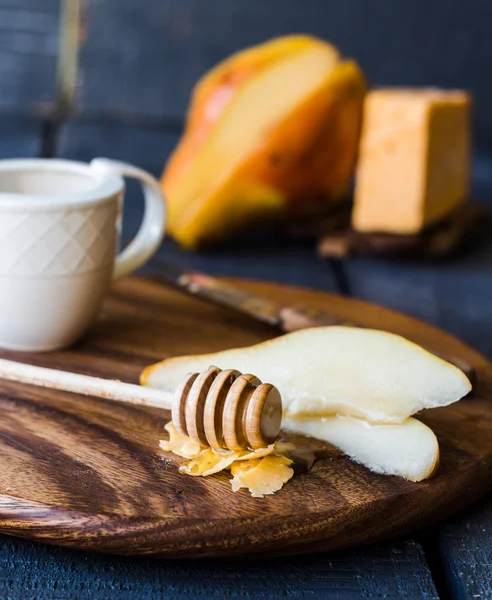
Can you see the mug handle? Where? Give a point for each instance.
(152, 229)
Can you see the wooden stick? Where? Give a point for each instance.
(85, 384)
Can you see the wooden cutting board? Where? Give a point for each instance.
(88, 473)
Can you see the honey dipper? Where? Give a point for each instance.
(221, 409)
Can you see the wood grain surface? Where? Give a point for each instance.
(87, 473)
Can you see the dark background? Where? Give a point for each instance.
(140, 58)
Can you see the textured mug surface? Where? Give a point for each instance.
(59, 235)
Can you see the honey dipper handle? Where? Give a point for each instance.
(109, 389)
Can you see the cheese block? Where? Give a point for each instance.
(414, 159)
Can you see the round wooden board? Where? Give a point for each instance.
(88, 473)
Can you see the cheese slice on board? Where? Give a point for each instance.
(414, 159)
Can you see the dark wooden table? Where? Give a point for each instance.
(451, 560)
(137, 65)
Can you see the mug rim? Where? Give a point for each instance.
(107, 185)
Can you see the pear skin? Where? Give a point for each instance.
(271, 133)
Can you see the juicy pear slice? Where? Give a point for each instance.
(217, 88)
(253, 60)
(409, 449)
(374, 375)
(243, 128)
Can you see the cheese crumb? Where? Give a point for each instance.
(262, 471)
(262, 476)
(179, 444)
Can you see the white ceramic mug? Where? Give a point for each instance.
(59, 235)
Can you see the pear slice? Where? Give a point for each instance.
(409, 449)
(374, 375)
(266, 100)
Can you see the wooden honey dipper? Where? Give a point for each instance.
(221, 409)
(224, 409)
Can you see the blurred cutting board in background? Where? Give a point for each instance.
(88, 474)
